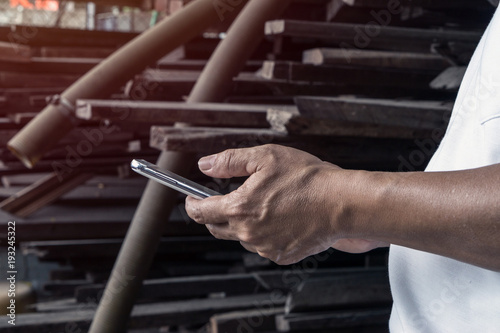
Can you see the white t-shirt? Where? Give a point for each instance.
(434, 293)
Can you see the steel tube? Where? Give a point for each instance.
(143, 236)
(55, 121)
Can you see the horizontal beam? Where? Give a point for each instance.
(43, 36)
(377, 59)
(347, 75)
(64, 220)
(383, 112)
(108, 248)
(194, 312)
(209, 139)
(351, 36)
(355, 320)
(161, 113)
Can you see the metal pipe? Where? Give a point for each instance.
(56, 120)
(150, 218)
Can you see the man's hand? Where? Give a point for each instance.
(294, 205)
(289, 208)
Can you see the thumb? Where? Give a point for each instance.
(231, 163)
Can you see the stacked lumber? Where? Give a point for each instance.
(359, 83)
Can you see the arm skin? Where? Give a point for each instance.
(294, 205)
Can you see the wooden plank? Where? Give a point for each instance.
(208, 139)
(194, 312)
(291, 122)
(51, 65)
(99, 181)
(230, 284)
(48, 36)
(22, 95)
(182, 287)
(410, 114)
(90, 194)
(20, 99)
(158, 113)
(412, 14)
(352, 321)
(36, 80)
(6, 123)
(199, 64)
(346, 75)
(62, 289)
(105, 163)
(450, 79)
(22, 118)
(378, 59)
(337, 292)
(76, 52)
(373, 153)
(165, 88)
(108, 248)
(6, 135)
(65, 158)
(66, 221)
(388, 38)
(14, 52)
(259, 320)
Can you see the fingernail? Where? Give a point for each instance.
(206, 163)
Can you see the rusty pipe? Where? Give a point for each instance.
(57, 119)
(147, 226)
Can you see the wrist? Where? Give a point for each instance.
(355, 202)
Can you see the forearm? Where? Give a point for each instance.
(454, 214)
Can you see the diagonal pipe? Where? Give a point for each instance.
(57, 119)
(157, 201)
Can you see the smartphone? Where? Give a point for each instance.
(172, 180)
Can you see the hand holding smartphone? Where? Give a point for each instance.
(172, 180)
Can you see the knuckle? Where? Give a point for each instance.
(194, 211)
(272, 154)
(226, 158)
(247, 236)
(236, 211)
